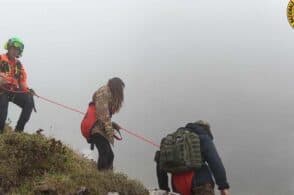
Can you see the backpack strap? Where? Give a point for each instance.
(18, 69)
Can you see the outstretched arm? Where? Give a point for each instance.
(215, 163)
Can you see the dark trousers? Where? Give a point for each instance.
(162, 178)
(23, 100)
(106, 156)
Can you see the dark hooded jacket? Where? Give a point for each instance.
(213, 166)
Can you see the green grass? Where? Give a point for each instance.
(31, 163)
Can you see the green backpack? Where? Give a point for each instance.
(180, 152)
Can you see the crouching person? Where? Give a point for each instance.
(191, 157)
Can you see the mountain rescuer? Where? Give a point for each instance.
(13, 84)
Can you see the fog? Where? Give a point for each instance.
(228, 62)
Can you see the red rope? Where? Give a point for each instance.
(141, 137)
(80, 112)
(61, 105)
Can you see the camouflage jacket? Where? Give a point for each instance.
(102, 99)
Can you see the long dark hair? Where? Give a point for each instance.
(116, 86)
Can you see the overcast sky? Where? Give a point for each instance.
(229, 62)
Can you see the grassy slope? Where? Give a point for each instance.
(29, 163)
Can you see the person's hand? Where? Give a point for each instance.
(109, 132)
(116, 126)
(32, 92)
(224, 192)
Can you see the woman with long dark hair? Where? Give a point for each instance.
(108, 100)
